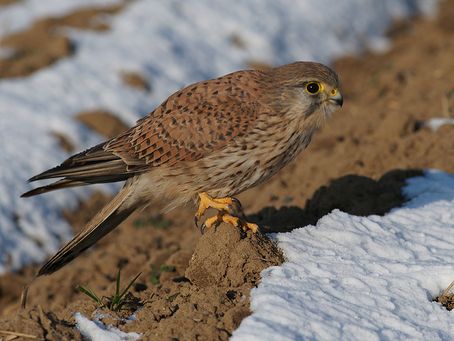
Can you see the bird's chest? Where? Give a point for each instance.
(253, 160)
(281, 153)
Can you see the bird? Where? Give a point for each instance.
(205, 144)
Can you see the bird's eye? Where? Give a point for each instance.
(313, 88)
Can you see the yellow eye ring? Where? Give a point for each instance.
(314, 87)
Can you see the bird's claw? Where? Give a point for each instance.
(223, 217)
(229, 211)
(196, 221)
(202, 228)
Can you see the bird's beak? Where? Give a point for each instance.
(336, 97)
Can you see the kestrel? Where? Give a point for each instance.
(206, 143)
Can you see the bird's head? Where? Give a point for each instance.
(305, 89)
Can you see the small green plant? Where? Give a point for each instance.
(117, 300)
(167, 268)
(155, 274)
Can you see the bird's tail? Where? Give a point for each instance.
(105, 221)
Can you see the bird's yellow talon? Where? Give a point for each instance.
(251, 226)
(227, 209)
(221, 204)
(203, 205)
(212, 221)
(227, 218)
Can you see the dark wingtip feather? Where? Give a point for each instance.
(48, 174)
(32, 192)
(90, 156)
(43, 175)
(63, 183)
(26, 194)
(39, 190)
(36, 177)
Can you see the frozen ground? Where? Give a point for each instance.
(363, 278)
(171, 43)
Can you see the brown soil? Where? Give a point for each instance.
(135, 80)
(196, 287)
(64, 141)
(103, 122)
(7, 2)
(446, 299)
(44, 43)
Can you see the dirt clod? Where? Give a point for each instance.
(224, 256)
(103, 122)
(446, 299)
(135, 80)
(64, 141)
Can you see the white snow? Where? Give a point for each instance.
(172, 43)
(97, 331)
(436, 123)
(363, 278)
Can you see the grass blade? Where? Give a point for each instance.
(117, 287)
(90, 294)
(130, 284)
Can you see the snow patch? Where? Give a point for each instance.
(363, 278)
(97, 331)
(435, 123)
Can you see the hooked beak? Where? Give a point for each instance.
(336, 97)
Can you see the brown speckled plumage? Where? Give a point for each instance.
(220, 136)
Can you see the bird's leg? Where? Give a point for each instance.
(230, 205)
(237, 222)
(228, 211)
(229, 219)
(207, 202)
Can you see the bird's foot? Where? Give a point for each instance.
(230, 205)
(229, 219)
(229, 211)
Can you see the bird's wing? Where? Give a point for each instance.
(189, 125)
(95, 165)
